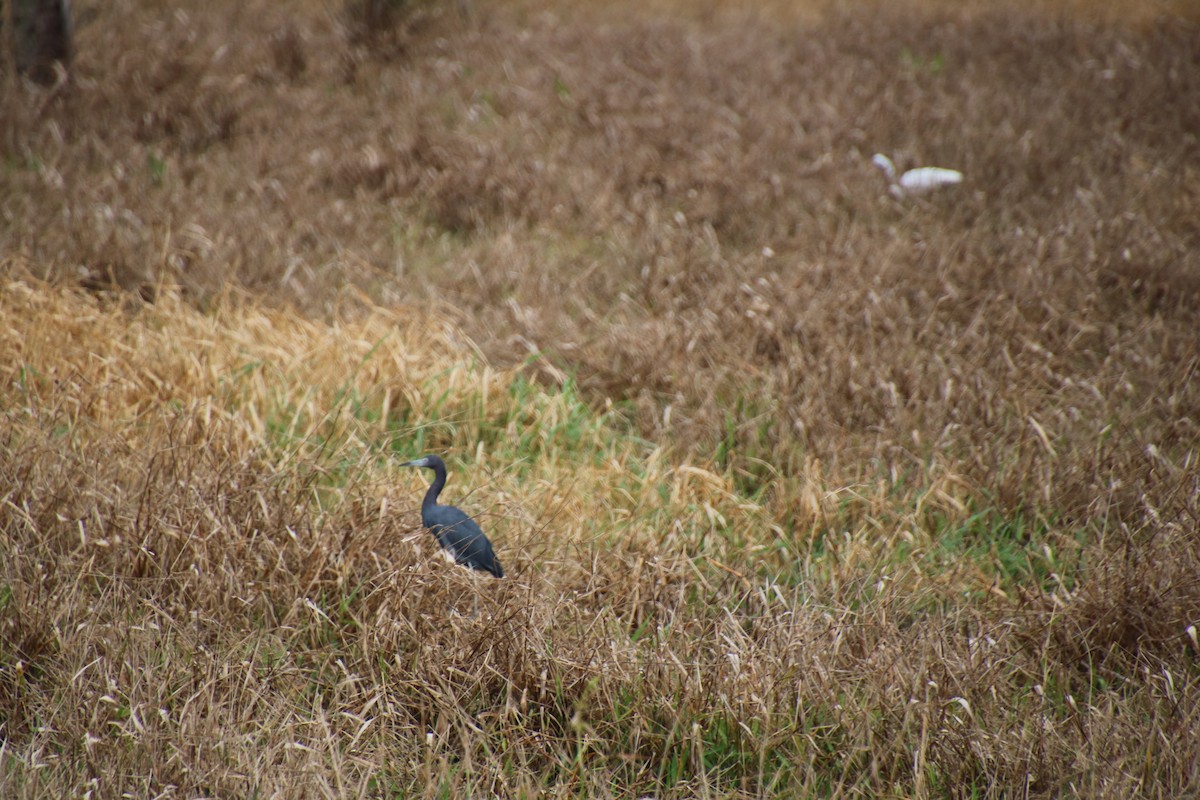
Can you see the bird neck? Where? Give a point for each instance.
(435, 488)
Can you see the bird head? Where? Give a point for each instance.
(432, 462)
(885, 164)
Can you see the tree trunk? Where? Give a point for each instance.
(41, 37)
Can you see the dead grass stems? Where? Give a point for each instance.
(805, 490)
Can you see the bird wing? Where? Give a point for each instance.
(461, 537)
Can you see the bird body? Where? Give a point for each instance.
(915, 181)
(458, 534)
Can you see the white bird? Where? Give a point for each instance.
(915, 181)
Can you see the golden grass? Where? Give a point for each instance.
(211, 585)
(174, 472)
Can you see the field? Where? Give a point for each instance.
(802, 489)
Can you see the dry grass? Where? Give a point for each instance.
(803, 490)
(212, 585)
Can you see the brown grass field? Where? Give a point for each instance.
(803, 490)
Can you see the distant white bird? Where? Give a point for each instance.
(915, 181)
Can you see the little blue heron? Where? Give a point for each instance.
(458, 534)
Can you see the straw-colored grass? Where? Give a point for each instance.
(213, 584)
(186, 485)
(802, 490)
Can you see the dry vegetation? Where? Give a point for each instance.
(803, 490)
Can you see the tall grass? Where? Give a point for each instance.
(214, 583)
(802, 490)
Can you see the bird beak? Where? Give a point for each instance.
(420, 462)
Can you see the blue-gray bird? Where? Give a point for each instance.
(458, 534)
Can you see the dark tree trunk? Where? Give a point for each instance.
(41, 37)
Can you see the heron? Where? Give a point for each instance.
(915, 181)
(459, 535)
